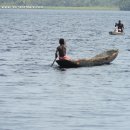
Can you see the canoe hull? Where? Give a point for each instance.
(116, 33)
(101, 59)
(67, 64)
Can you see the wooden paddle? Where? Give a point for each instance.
(54, 59)
(53, 62)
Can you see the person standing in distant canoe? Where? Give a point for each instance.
(61, 50)
(120, 26)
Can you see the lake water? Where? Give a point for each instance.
(35, 96)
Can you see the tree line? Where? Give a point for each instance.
(122, 4)
(125, 5)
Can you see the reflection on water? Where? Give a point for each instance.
(36, 96)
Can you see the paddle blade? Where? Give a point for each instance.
(53, 62)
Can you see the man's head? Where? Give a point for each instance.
(61, 41)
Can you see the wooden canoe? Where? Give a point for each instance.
(116, 33)
(100, 59)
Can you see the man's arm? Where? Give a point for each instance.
(56, 55)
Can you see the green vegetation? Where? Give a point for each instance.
(125, 4)
(69, 4)
(81, 8)
(63, 7)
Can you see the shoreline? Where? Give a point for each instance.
(61, 7)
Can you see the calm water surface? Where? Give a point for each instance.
(35, 96)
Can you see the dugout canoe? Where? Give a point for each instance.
(103, 58)
(116, 33)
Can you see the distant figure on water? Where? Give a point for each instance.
(119, 27)
(61, 50)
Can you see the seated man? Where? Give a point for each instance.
(61, 51)
(120, 26)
